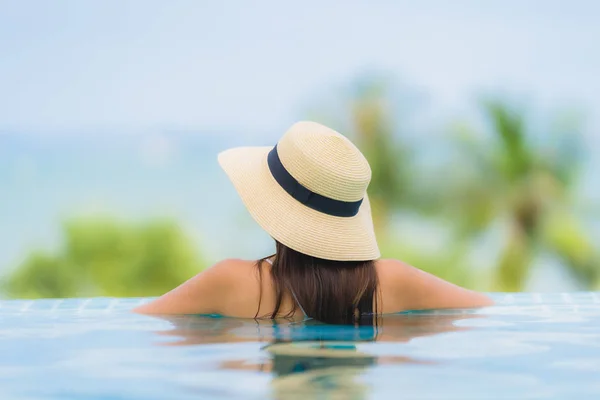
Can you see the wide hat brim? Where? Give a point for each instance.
(290, 222)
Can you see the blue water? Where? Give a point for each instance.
(526, 347)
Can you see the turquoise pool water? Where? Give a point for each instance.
(526, 347)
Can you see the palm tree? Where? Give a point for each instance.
(526, 183)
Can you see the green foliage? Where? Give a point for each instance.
(501, 175)
(506, 175)
(565, 237)
(104, 257)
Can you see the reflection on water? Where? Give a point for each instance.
(309, 359)
(325, 369)
(521, 350)
(190, 330)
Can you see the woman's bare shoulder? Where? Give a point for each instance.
(205, 292)
(396, 272)
(234, 267)
(392, 266)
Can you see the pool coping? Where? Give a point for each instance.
(570, 301)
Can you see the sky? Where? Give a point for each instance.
(222, 67)
(245, 71)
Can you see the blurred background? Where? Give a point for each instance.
(481, 122)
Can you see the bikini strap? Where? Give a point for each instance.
(297, 302)
(293, 294)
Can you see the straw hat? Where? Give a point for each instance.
(309, 192)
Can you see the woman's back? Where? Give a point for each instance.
(401, 287)
(238, 288)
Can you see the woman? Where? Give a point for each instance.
(309, 192)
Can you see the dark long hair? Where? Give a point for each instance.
(334, 292)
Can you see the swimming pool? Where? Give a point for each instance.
(526, 347)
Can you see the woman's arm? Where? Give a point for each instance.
(423, 291)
